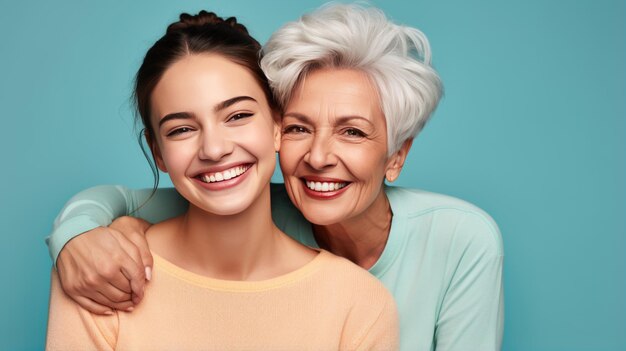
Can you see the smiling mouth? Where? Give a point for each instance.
(224, 175)
(324, 186)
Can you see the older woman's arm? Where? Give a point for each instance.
(472, 313)
(103, 267)
(100, 205)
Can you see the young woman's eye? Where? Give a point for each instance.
(353, 132)
(179, 131)
(295, 129)
(238, 116)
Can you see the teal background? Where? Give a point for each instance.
(531, 129)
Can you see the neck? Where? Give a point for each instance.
(360, 239)
(244, 246)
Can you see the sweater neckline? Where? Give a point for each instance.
(394, 240)
(171, 269)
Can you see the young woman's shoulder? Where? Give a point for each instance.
(352, 281)
(71, 327)
(371, 316)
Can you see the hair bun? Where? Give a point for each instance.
(204, 18)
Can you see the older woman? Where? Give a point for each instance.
(355, 90)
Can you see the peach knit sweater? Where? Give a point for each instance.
(328, 304)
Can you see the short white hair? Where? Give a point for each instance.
(396, 59)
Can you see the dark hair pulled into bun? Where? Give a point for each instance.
(204, 33)
(204, 18)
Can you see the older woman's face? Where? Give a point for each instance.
(334, 146)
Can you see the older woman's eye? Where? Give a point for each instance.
(353, 132)
(295, 129)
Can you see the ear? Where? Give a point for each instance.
(156, 152)
(396, 161)
(277, 131)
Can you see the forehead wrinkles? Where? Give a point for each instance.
(327, 95)
(326, 107)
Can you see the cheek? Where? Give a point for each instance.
(365, 163)
(258, 140)
(177, 156)
(291, 152)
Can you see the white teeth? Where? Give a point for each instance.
(224, 175)
(324, 186)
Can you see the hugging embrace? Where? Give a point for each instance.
(334, 259)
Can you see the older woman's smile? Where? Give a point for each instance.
(324, 188)
(334, 145)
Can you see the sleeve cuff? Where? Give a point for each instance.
(66, 231)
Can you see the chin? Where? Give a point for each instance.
(324, 216)
(225, 208)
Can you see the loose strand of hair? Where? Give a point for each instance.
(153, 168)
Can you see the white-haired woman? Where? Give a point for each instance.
(355, 89)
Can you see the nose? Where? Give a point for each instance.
(215, 144)
(321, 154)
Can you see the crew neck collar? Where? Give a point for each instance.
(237, 285)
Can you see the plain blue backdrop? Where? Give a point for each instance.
(531, 129)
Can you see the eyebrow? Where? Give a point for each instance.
(339, 120)
(226, 103)
(176, 115)
(220, 106)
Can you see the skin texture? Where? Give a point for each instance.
(106, 269)
(323, 139)
(196, 134)
(228, 134)
(334, 131)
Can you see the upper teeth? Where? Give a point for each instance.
(324, 186)
(224, 175)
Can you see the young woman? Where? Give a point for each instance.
(224, 276)
(355, 90)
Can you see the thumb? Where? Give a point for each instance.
(144, 252)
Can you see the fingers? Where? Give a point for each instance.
(134, 229)
(101, 270)
(113, 294)
(146, 256)
(95, 288)
(132, 267)
(122, 305)
(119, 281)
(144, 251)
(100, 304)
(92, 306)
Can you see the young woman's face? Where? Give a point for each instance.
(334, 146)
(214, 133)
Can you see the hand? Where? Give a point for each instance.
(134, 229)
(103, 269)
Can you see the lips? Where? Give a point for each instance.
(324, 188)
(227, 174)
